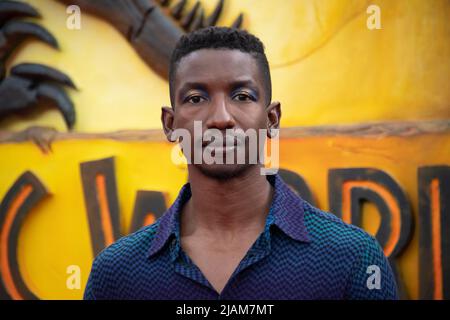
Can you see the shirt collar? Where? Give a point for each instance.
(286, 212)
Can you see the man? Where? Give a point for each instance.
(234, 233)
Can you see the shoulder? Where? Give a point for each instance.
(354, 250)
(126, 251)
(320, 223)
(112, 264)
(132, 245)
(326, 229)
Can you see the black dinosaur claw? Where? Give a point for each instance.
(177, 9)
(27, 84)
(13, 31)
(212, 19)
(17, 30)
(238, 22)
(39, 72)
(14, 9)
(60, 98)
(198, 21)
(189, 17)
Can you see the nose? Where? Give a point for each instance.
(219, 116)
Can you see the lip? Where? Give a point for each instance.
(221, 149)
(228, 143)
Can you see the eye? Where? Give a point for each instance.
(194, 99)
(243, 97)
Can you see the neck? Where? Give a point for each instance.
(226, 207)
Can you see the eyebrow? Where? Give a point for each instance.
(245, 83)
(234, 85)
(191, 85)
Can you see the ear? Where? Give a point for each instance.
(167, 118)
(273, 117)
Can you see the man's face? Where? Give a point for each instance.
(224, 89)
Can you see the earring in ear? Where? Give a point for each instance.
(169, 136)
(272, 133)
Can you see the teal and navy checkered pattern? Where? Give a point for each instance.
(303, 253)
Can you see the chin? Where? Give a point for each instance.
(223, 171)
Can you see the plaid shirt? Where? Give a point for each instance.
(303, 253)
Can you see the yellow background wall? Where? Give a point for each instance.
(327, 67)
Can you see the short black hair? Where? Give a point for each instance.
(220, 38)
